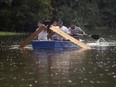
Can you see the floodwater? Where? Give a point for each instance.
(56, 67)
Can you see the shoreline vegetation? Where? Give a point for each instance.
(8, 33)
(22, 15)
(3, 33)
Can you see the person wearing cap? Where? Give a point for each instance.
(75, 31)
(43, 34)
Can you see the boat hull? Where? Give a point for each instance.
(36, 44)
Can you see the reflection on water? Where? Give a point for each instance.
(58, 67)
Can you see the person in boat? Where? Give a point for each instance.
(43, 34)
(51, 33)
(75, 31)
(63, 28)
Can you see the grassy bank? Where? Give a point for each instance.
(9, 33)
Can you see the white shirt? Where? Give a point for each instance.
(57, 36)
(63, 28)
(42, 35)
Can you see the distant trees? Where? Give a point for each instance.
(107, 9)
(22, 15)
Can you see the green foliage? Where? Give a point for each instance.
(9, 33)
(22, 15)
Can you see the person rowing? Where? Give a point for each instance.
(76, 31)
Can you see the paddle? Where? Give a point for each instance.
(72, 39)
(94, 36)
(31, 37)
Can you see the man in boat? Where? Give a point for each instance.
(51, 33)
(43, 34)
(63, 28)
(75, 31)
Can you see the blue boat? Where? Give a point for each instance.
(36, 44)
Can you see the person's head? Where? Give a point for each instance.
(40, 23)
(60, 23)
(73, 25)
(55, 23)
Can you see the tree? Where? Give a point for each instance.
(22, 15)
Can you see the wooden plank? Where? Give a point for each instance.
(72, 39)
(31, 37)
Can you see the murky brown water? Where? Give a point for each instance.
(57, 67)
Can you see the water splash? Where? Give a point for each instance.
(102, 42)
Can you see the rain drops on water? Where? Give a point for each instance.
(85, 79)
(106, 69)
(36, 81)
(22, 79)
(30, 85)
(51, 67)
(98, 81)
(14, 78)
(80, 77)
(21, 63)
(56, 73)
(108, 58)
(76, 71)
(81, 81)
(114, 76)
(92, 81)
(108, 61)
(51, 74)
(114, 65)
(70, 81)
(38, 62)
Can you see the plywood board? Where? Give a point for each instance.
(67, 36)
(31, 37)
